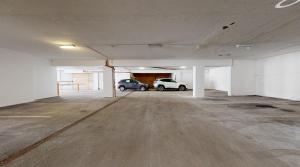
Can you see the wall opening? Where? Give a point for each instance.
(218, 79)
(72, 80)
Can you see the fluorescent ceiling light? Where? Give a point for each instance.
(142, 68)
(285, 3)
(243, 46)
(183, 67)
(72, 46)
(247, 46)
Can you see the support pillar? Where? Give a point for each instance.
(109, 89)
(198, 81)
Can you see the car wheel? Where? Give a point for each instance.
(143, 88)
(122, 88)
(161, 88)
(182, 88)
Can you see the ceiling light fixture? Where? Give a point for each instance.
(72, 46)
(247, 46)
(142, 68)
(285, 3)
(183, 67)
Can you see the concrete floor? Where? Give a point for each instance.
(171, 129)
(25, 124)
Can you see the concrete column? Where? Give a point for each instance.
(230, 85)
(198, 81)
(109, 82)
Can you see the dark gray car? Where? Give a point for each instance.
(132, 84)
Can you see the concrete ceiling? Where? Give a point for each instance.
(187, 29)
(90, 69)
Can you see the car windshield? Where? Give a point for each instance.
(135, 81)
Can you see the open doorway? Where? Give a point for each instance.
(218, 81)
(72, 80)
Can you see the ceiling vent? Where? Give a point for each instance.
(155, 45)
(226, 55)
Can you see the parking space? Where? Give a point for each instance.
(272, 124)
(26, 124)
(171, 128)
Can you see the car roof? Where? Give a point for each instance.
(128, 79)
(163, 78)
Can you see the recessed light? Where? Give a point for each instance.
(183, 67)
(285, 3)
(142, 68)
(72, 46)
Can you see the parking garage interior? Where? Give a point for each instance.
(61, 63)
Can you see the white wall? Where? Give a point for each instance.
(121, 75)
(279, 76)
(185, 76)
(243, 77)
(44, 79)
(218, 78)
(24, 78)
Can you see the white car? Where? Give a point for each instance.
(167, 83)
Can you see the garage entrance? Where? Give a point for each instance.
(149, 78)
